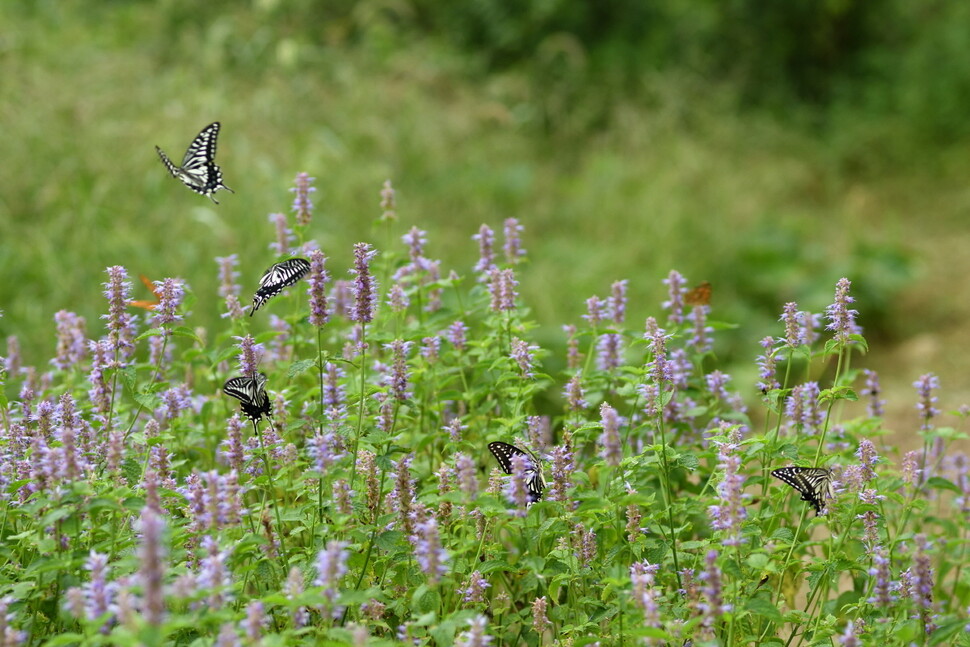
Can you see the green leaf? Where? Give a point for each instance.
(154, 332)
(940, 483)
(296, 368)
(762, 607)
(146, 400)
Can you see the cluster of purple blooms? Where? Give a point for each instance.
(52, 447)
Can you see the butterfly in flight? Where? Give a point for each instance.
(148, 305)
(275, 279)
(251, 392)
(813, 483)
(504, 452)
(198, 170)
(699, 296)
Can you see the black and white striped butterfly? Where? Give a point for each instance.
(504, 452)
(198, 170)
(280, 276)
(813, 483)
(251, 392)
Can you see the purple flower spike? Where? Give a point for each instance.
(502, 288)
(676, 288)
(513, 244)
(318, 279)
(171, 293)
(609, 440)
(71, 342)
(301, 201)
(365, 288)
(841, 318)
(486, 254)
(924, 387)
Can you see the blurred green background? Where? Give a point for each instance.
(769, 148)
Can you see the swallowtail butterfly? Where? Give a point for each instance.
(504, 452)
(251, 392)
(198, 170)
(813, 483)
(280, 276)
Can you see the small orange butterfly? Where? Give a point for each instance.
(699, 296)
(147, 305)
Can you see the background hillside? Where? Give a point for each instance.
(769, 150)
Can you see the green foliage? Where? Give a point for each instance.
(139, 509)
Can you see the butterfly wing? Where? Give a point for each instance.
(503, 453)
(699, 296)
(251, 393)
(813, 483)
(280, 276)
(198, 170)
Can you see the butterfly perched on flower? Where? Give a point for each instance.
(198, 170)
(699, 295)
(504, 452)
(275, 279)
(251, 392)
(813, 483)
(148, 305)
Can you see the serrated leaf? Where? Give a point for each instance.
(389, 541)
(296, 368)
(146, 400)
(183, 331)
(153, 332)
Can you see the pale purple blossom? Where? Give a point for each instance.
(301, 201)
(171, 292)
(475, 636)
(294, 589)
(700, 338)
(331, 565)
(841, 317)
(365, 288)
(151, 571)
(766, 367)
(502, 286)
(617, 301)
(574, 394)
(924, 388)
(882, 596)
(802, 408)
(428, 550)
(400, 387)
(609, 440)
(513, 243)
(645, 592)
(563, 467)
(608, 351)
(659, 367)
(730, 512)
(457, 334)
(284, 235)
(250, 354)
(523, 355)
(596, 311)
(71, 340)
(540, 621)
(121, 324)
(676, 288)
(397, 299)
(474, 592)
(486, 253)
(317, 280)
(516, 488)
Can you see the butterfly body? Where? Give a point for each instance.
(277, 278)
(198, 170)
(504, 452)
(813, 483)
(251, 393)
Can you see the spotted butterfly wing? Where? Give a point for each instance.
(275, 279)
(504, 452)
(813, 483)
(198, 170)
(251, 393)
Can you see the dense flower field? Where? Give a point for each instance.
(360, 504)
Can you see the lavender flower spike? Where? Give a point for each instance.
(318, 280)
(841, 318)
(301, 202)
(365, 288)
